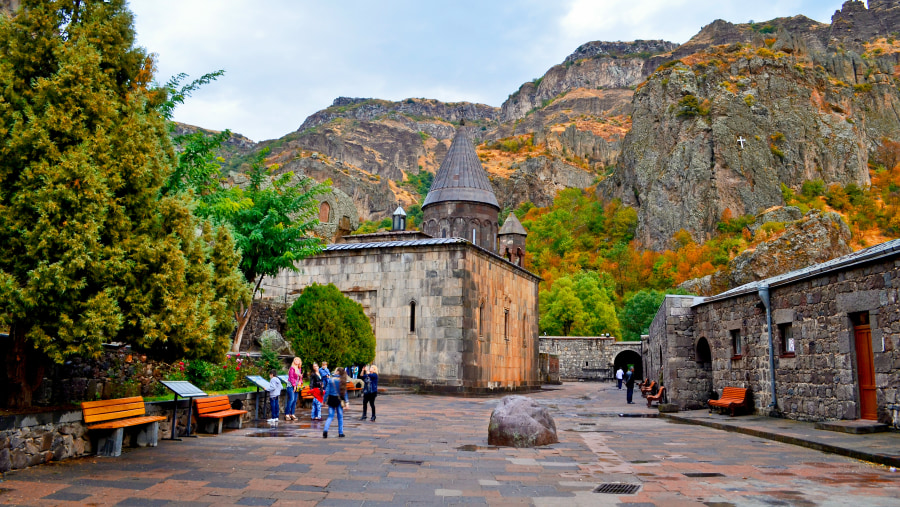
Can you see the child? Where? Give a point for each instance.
(274, 391)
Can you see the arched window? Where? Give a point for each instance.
(412, 316)
(525, 330)
(481, 319)
(506, 324)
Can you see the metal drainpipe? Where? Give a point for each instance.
(764, 295)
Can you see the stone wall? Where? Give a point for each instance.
(580, 357)
(818, 381)
(446, 316)
(266, 314)
(670, 355)
(117, 373)
(31, 439)
(590, 357)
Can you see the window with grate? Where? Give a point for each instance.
(736, 344)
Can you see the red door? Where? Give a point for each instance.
(865, 371)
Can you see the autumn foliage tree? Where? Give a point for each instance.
(93, 252)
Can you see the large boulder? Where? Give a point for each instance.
(272, 339)
(520, 422)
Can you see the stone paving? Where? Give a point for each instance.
(428, 450)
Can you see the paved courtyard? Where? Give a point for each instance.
(428, 450)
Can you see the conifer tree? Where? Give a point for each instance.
(325, 325)
(93, 252)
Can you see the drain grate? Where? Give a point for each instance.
(703, 474)
(406, 462)
(617, 488)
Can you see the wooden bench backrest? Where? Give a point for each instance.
(734, 393)
(108, 410)
(212, 404)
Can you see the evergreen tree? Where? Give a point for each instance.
(92, 252)
(325, 325)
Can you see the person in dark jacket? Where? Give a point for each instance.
(370, 391)
(629, 384)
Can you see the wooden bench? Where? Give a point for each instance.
(109, 418)
(648, 389)
(353, 386)
(656, 397)
(218, 407)
(732, 399)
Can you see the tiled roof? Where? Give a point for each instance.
(884, 250)
(513, 226)
(461, 176)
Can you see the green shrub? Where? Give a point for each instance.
(325, 325)
(688, 107)
(812, 188)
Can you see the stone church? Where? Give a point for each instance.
(452, 308)
(816, 344)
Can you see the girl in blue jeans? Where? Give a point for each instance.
(334, 393)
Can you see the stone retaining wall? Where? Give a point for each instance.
(32, 439)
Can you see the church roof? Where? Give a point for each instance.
(461, 176)
(512, 226)
(871, 254)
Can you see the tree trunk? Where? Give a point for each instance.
(242, 316)
(24, 369)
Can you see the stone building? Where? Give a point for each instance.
(815, 344)
(592, 357)
(449, 314)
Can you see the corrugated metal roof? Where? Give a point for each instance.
(461, 176)
(884, 250)
(393, 244)
(423, 242)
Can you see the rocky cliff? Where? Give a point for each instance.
(722, 128)
(806, 240)
(681, 132)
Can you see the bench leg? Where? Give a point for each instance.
(147, 435)
(109, 444)
(234, 422)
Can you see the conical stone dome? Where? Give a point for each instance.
(461, 202)
(461, 176)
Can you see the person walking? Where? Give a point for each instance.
(315, 389)
(295, 379)
(334, 392)
(274, 391)
(370, 391)
(619, 376)
(629, 385)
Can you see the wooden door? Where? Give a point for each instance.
(865, 372)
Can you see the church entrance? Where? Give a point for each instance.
(865, 366)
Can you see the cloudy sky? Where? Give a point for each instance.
(285, 60)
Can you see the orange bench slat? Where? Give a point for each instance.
(124, 423)
(213, 404)
(224, 413)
